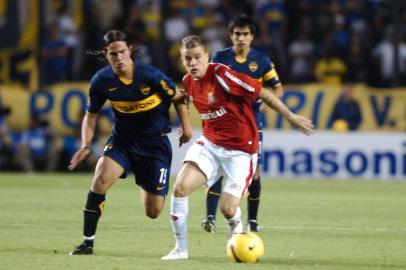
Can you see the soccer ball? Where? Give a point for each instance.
(246, 247)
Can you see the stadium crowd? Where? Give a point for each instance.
(309, 40)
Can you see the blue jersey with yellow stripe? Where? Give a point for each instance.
(140, 106)
(257, 65)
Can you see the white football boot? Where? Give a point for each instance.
(176, 254)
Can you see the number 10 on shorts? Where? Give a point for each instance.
(162, 178)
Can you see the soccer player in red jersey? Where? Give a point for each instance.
(243, 58)
(229, 143)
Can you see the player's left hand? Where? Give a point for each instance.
(184, 136)
(302, 123)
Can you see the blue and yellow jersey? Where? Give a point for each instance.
(257, 65)
(140, 105)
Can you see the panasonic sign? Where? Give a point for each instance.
(291, 154)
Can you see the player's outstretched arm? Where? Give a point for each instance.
(300, 122)
(181, 106)
(88, 127)
(277, 91)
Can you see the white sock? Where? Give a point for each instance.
(235, 221)
(178, 214)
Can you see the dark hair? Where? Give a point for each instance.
(192, 41)
(242, 21)
(113, 36)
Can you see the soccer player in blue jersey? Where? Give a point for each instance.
(241, 57)
(141, 96)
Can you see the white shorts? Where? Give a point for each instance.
(236, 167)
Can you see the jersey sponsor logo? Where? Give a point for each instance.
(160, 187)
(137, 106)
(111, 89)
(238, 81)
(213, 115)
(145, 89)
(165, 86)
(253, 66)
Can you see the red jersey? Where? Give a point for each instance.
(224, 100)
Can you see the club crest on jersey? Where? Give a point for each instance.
(145, 89)
(108, 147)
(165, 86)
(211, 99)
(253, 66)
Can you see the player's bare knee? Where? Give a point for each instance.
(153, 213)
(179, 190)
(228, 211)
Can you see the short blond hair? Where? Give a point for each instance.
(193, 41)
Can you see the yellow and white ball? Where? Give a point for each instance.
(246, 247)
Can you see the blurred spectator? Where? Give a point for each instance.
(54, 52)
(356, 59)
(104, 15)
(272, 18)
(36, 149)
(5, 140)
(135, 26)
(356, 15)
(346, 113)
(330, 69)
(175, 26)
(340, 39)
(150, 15)
(301, 53)
(70, 35)
(384, 54)
(215, 36)
(99, 17)
(274, 13)
(144, 24)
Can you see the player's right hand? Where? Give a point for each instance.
(78, 157)
(302, 123)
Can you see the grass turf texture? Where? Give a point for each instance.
(308, 225)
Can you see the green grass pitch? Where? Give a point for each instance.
(307, 225)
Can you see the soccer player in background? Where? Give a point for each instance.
(229, 143)
(141, 96)
(242, 58)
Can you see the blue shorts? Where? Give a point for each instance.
(150, 160)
